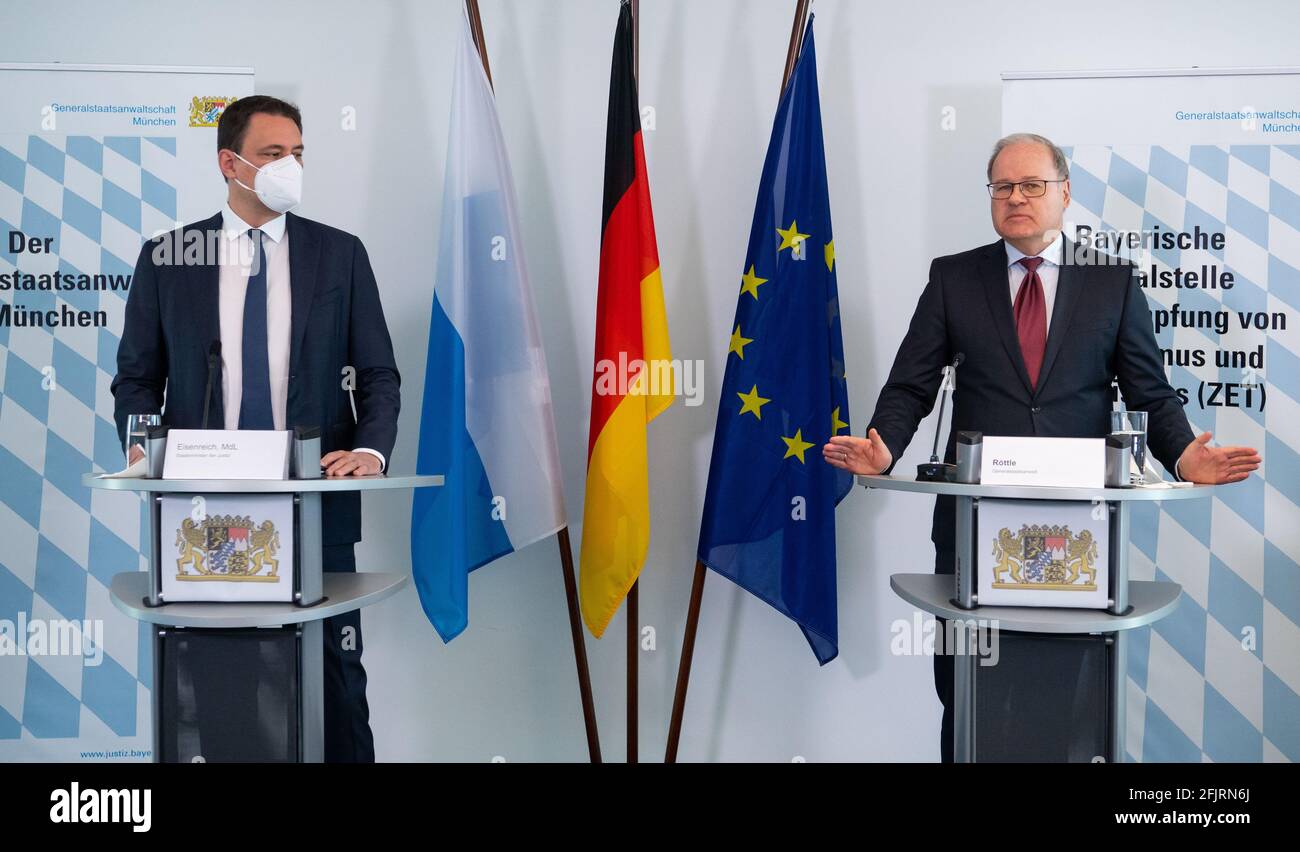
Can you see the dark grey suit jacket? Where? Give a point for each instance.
(1100, 330)
(172, 317)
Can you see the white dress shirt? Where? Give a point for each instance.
(237, 256)
(1049, 272)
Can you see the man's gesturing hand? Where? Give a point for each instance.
(858, 455)
(1216, 465)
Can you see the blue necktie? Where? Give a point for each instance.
(255, 403)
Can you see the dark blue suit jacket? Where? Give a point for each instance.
(172, 317)
(1100, 330)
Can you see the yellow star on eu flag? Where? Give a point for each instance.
(829, 251)
(738, 342)
(836, 423)
(790, 237)
(752, 402)
(795, 446)
(750, 281)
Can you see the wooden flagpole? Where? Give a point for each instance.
(579, 645)
(633, 618)
(796, 41)
(697, 585)
(562, 537)
(476, 32)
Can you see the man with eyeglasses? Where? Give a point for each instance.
(1043, 338)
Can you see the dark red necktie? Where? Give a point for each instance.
(1031, 318)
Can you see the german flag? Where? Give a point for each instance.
(633, 377)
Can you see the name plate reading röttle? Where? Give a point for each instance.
(226, 454)
(1060, 462)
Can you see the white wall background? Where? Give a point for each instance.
(903, 190)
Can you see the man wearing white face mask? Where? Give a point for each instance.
(285, 314)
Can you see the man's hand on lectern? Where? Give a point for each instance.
(858, 455)
(1216, 465)
(344, 463)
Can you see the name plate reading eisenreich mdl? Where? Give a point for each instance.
(226, 454)
(1060, 462)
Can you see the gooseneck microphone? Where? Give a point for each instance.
(214, 359)
(935, 470)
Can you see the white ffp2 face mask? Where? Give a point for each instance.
(278, 184)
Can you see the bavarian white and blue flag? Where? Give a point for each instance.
(486, 422)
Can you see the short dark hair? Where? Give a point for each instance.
(233, 124)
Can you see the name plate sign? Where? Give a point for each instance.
(226, 454)
(1061, 462)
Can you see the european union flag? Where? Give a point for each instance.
(769, 513)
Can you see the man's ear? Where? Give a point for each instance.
(226, 163)
(1065, 193)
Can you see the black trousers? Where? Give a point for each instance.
(231, 711)
(945, 562)
(347, 715)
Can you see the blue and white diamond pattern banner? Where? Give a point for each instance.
(93, 160)
(1204, 153)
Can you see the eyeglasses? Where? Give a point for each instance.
(1028, 188)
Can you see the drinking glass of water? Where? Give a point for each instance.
(137, 426)
(1134, 424)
